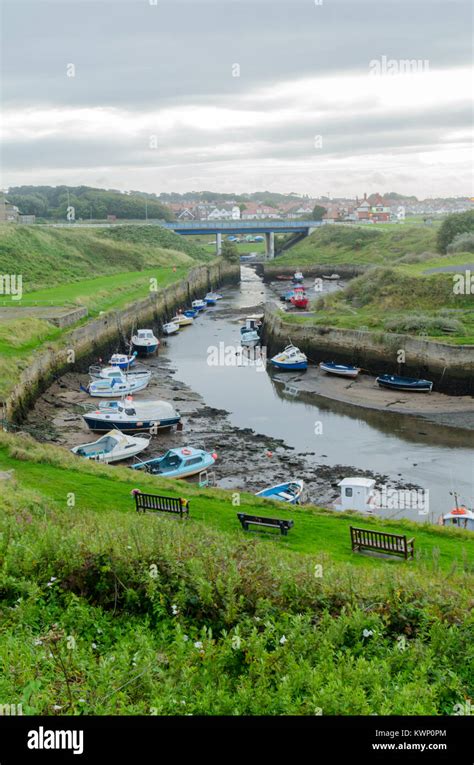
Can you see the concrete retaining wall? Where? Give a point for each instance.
(451, 367)
(85, 344)
(269, 272)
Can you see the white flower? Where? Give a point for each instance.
(38, 641)
(185, 637)
(82, 701)
(283, 640)
(175, 609)
(236, 642)
(367, 633)
(94, 645)
(56, 707)
(183, 702)
(198, 644)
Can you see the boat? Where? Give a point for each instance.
(297, 276)
(121, 384)
(199, 305)
(357, 493)
(283, 278)
(291, 358)
(122, 360)
(178, 463)
(132, 416)
(331, 277)
(212, 297)
(284, 492)
(286, 296)
(252, 323)
(112, 447)
(181, 320)
(250, 338)
(110, 373)
(192, 312)
(144, 342)
(460, 517)
(170, 328)
(395, 382)
(342, 370)
(299, 299)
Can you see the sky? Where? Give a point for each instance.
(316, 97)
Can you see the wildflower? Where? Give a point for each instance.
(82, 701)
(283, 640)
(51, 581)
(185, 637)
(367, 633)
(175, 609)
(94, 645)
(198, 644)
(236, 642)
(38, 641)
(56, 707)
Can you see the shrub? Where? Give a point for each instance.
(452, 226)
(462, 243)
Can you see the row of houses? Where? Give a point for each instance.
(241, 211)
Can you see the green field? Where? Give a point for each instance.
(107, 612)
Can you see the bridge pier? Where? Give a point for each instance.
(270, 245)
(218, 244)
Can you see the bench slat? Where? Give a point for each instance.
(382, 540)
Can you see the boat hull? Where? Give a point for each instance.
(99, 425)
(145, 350)
(417, 386)
(340, 370)
(290, 366)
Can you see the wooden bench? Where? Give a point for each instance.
(382, 541)
(257, 520)
(154, 503)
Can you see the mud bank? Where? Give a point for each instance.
(109, 333)
(450, 367)
(268, 271)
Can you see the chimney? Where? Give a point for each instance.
(365, 196)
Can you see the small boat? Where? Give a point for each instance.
(459, 517)
(121, 384)
(192, 312)
(178, 463)
(181, 320)
(212, 297)
(111, 373)
(286, 296)
(199, 305)
(299, 299)
(252, 323)
(331, 277)
(170, 328)
(291, 358)
(284, 492)
(112, 447)
(250, 338)
(342, 370)
(298, 276)
(145, 342)
(122, 361)
(283, 278)
(395, 382)
(132, 416)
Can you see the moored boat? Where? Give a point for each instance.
(342, 370)
(284, 492)
(110, 373)
(181, 320)
(299, 299)
(122, 360)
(144, 342)
(459, 517)
(331, 277)
(252, 323)
(132, 416)
(212, 297)
(250, 338)
(199, 305)
(178, 463)
(192, 312)
(395, 382)
(112, 447)
(170, 328)
(291, 358)
(298, 276)
(119, 384)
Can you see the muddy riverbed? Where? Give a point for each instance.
(268, 427)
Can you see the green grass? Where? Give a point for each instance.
(103, 611)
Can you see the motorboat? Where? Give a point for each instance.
(199, 305)
(115, 373)
(120, 384)
(182, 320)
(290, 359)
(284, 492)
(298, 276)
(132, 416)
(122, 360)
(341, 370)
(170, 328)
(178, 463)
(250, 338)
(252, 323)
(144, 342)
(395, 382)
(112, 447)
(299, 299)
(331, 277)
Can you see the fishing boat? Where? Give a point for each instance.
(297, 276)
(288, 295)
(132, 416)
(331, 277)
(122, 360)
(342, 370)
(299, 299)
(170, 328)
(178, 463)
(144, 342)
(199, 305)
(121, 384)
(284, 492)
(112, 447)
(250, 338)
(111, 373)
(181, 320)
(395, 382)
(212, 297)
(252, 323)
(459, 517)
(290, 359)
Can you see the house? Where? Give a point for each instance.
(8, 213)
(185, 214)
(362, 210)
(225, 213)
(259, 212)
(380, 214)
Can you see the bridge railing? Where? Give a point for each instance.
(270, 223)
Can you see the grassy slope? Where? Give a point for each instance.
(360, 245)
(104, 611)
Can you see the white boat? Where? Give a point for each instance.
(284, 492)
(199, 304)
(357, 494)
(341, 370)
(182, 320)
(144, 342)
(459, 518)
(122, 360)
(120, 385)
(132, 416)
(298, 276)
(331, 277)
(250, 338)
(112, 447)
(291, 358)
(109, 373)
(170, 328)
(252, 323)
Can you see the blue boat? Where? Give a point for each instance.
(191, 313)
(122, 360)
(290, 359)
(342, 370)
(178, 463)
(395, 382)
(284, 492)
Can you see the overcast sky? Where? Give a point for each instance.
(155, 103)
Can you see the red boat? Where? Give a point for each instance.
(299, 299)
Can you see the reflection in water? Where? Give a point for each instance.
(407, 449)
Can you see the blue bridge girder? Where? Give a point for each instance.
(192, 228)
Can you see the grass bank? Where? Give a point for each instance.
(105, 612)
